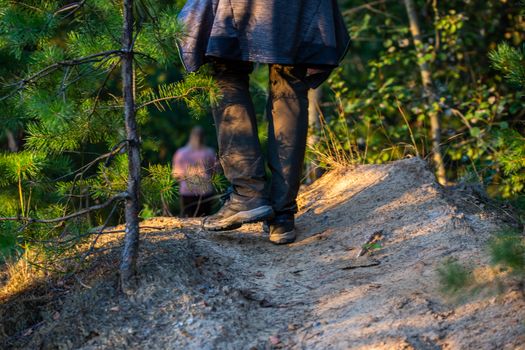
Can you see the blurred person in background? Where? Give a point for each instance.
(193, 167)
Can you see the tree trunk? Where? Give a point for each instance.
(314, 123)
(128, 266)
(426, 78)
(12, 141)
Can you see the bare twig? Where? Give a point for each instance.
(70, 8)
(367, 6)
(106, 79)
(34, 8)
(115, 150)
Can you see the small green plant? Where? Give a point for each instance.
(372, 246)
(508, 250)
(454, 277)
(507, 265)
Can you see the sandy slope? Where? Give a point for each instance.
(237, 291)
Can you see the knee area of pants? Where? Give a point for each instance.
(234, 108)
(289, 96)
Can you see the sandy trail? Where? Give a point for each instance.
(237, 291)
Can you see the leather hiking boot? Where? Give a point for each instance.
(282, 229)
(236, 212)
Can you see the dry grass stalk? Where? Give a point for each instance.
(21, 274)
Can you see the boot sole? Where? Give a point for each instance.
(283, 238)
(243, 217)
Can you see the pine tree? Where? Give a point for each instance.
(61, 90)
(510, 144)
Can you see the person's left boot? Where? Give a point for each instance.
(236, 212)
(281, 228)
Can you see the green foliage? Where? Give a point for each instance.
(60, 89)
(160, 35)
(371, 247)
(8, 241)
(159, 188)
(190, 91)
(454, 277)
(219, 182)
(507, 255)
(511, 62)
(378, 92)
(510, 144)
(508, 250)
(509, 150)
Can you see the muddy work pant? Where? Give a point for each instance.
(239, 148)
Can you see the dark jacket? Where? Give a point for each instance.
(309, 32)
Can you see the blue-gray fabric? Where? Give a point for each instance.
(310, 32)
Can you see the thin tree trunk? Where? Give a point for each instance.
(13, 141)
(128, 266)
(314, 100)
(426, 78)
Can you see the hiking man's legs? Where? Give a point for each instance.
(240, 151)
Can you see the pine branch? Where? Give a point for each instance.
(97, 57)
(158, 100)
(196, 91)
(85, 211)
(116, 149)
(510, 61)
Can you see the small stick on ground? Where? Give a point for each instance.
(374, 238)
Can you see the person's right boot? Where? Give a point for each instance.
(281, 228)
(236, 212)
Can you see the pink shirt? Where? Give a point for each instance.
(193, 168)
